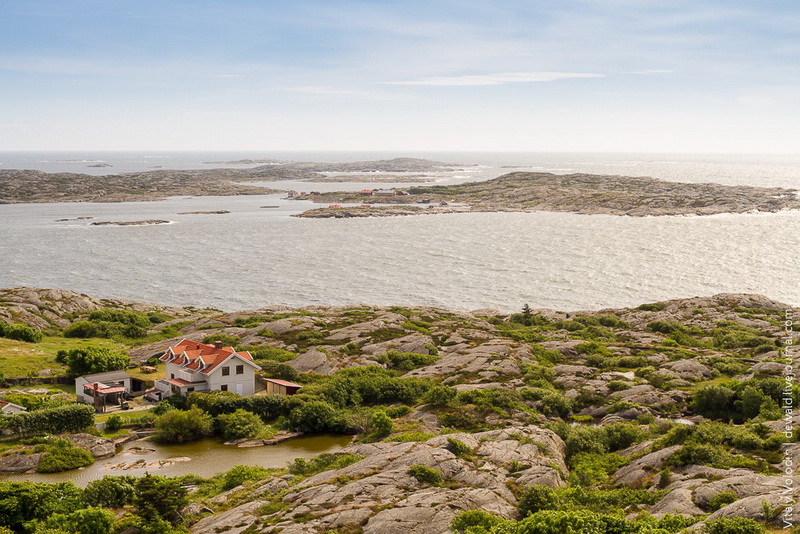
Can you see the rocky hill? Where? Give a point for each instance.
(677, 403)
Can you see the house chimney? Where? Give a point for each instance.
(218, 344)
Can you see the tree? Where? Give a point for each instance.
(382, 424)
(86, 521)
(88, 360)
(159, 497)
(240, 424)
(110, 491)
(314, 416)
(178, 426)
(714, 401)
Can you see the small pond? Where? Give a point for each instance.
(203, 458)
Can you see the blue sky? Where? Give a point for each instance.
(611, 75)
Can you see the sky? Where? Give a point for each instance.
(493, 75)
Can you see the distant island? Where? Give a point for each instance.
(575, 193)
(37, 186)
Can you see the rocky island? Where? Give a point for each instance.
(36, 186)
(658, 418)
(575, 193)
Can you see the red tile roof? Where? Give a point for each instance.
(201, 356)
(180, 382)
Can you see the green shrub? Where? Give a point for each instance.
(158, 497)
(179, 426)
(87, 521)
(440, 395)
(114, 423)
(89, 360)
(271, 353)
(593, 347)
(720, 500)
(406, 361)
(425, 474)
(20, 332)
(61, 455)
(411, 436)
(239, 474)
(69, 418)
(323, 462)
(733, 525)
(315, 416)
(474, 519)
(240, 424)
(713, 401)
(459, 448)
(538, 497)
(110, 491)
(381, 424)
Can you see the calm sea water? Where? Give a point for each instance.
(257, 256)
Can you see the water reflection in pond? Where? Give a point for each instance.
(203, 458)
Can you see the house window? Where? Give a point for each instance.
(189, 390)
(240, 369)
(223, 387)
(172, 375)
(226, 371)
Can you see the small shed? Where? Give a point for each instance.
(281, 387)
(7, 408)
(101, 389)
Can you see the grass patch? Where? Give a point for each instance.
(21, 359)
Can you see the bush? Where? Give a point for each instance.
(240, 424)
(474, 518)
(110, 491)
(20, 332)
(713, 400)
(733, 525)
(457, 447)
(62, 455)
(440, 395)
(28, 501)
(323, 462)
(563, 522)
(425, 474)
(315, 416)
(406, 361)
(178, 426)
(720, 500)
(239, 474)
(538, 497)
(114, 423)
(381, 424)
(89, 360)
(87, 521)
(159, 497)
(70, 418)
(271, 353)
(282, 371)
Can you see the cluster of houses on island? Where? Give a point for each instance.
(190, 367)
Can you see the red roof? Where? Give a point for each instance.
(201, 356)
(284, 383)
(180, 382)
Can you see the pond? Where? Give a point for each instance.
(202, 458)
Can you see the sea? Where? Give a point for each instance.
(257, 256)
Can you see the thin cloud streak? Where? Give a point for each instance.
(499, 78)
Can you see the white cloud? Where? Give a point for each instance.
(652, 71)
(498, 78)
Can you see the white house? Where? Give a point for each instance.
(7, 408)
(193, 366)
(111, 387)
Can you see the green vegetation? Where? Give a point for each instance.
(61, 455)
(425, 474)
(240, 424)
(89, 360)
(178, 426)
(20, 332)
(69, 418)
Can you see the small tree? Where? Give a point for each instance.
(110, 491)
(313, 416)
(159, 497)
(240, 424)
(178, 426)
(382, 424)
